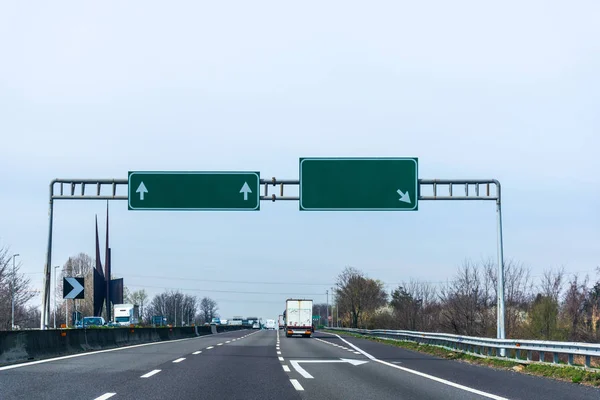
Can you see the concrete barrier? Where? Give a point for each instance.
(19, 346)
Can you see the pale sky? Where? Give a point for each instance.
(474, 89)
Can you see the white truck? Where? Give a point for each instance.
(298, 317)
(127, 314)
(270, 324)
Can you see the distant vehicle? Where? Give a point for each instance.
(298, 317)
(270, 324)
(280, 321)
(89, 322)
(256, 325)
(127, 314)
(224, 322)
(235, 322)
(215, 321)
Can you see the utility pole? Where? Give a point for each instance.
(13, 293)
(55, 273)
(327, 308)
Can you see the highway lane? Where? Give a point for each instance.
(93, 374)
(255, 364)
(507, 384)
(358, 377)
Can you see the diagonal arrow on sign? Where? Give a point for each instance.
(302, 371)
(77, 288)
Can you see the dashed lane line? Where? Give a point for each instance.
(179, 360)
(149, 374)
(109, 395)
(286, 368)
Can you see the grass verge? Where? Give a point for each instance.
(570, 374)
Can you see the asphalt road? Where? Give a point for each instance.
(267, 365)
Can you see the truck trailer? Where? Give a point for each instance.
(127, 314)
(298, 317)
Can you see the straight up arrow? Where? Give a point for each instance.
(141, 190)
(245, 189)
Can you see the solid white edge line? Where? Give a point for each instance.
(421, 374)
(179, 360)
(286, 368)
(296, 384)
(105, 396)
(149, 374)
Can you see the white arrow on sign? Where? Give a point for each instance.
(302, 371)
(245, 189)
(77, 288)
(405, 197)
(141, 190)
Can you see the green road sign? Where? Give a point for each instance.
(359, 184)
(194, 190)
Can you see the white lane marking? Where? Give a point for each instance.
(280, 358)
(296, 384)
(356, 352)
(279, 353)
(412, 371)
(220, 344)
(302, 371)
(286, 368)
(149, 374)
(229, 341)
(196, 352)
(96, 352)
(179, 360)
(109, 395)
(210, 347)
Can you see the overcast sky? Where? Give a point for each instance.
(474, 89)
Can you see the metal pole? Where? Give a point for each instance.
(13, 293)
(175, 322)
(47, 268)
(55, 289)
(327, 308)
(500, 324)
(66, 313)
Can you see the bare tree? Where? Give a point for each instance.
(358, 294)
(12, 281)
(140, 298)
(208, 309)
(573, 309)
(466, 302)
(552, 283)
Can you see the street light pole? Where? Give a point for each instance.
(13, 292)
(55, 289)
(327, 308)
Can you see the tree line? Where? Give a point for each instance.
(180, 309)
(558, 307)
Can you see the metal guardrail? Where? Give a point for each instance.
(490, 347)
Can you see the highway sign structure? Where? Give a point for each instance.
(73, 288)
(194, 190)
(359, 184)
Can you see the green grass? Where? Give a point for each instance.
(564, 373)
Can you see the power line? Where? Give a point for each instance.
(226, 291)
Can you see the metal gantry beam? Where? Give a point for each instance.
(429, 190)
